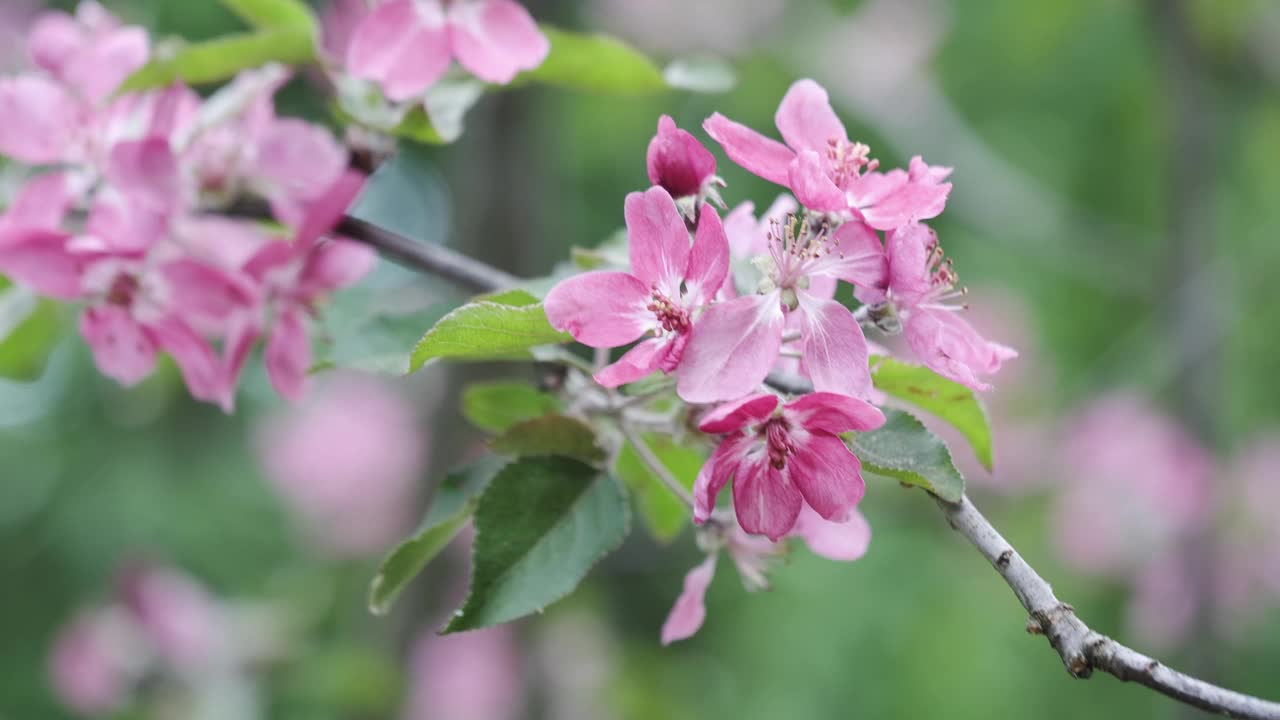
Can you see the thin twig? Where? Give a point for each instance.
(655, 465)
(1082, 650)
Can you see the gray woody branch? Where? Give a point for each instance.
(1082, 650)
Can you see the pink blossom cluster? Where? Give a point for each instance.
(124, 209)
(162, 624)
(407, 46)
(690, 299)
(1144, 498)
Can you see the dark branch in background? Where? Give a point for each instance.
(1082, 650)
(464, 271)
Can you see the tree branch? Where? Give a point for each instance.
(1082, 650)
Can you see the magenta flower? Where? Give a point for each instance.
(921, 286)
(406, 45)
(752, 555)
(677, 162)
(668, 284)
(826, 171)
(781, 459)
(736, 343)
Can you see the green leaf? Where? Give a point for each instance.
(486, 331)
(701, 74)
(540, 526)
(452, 505)
(662, 512)
(514, 298)
(550, 435)
(217, 60)
(905, 450)
(273, 13)
(496, 406)
(595, 63)
(30, 328)
(948, 400)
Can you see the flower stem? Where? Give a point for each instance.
(655, 465)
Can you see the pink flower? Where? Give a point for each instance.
(95, 662)
(346, 462)
(1138, 485)
(407, 45)
(90, 52)
(826, 171)
(735, 344)
(781, 459)
(136, 312)
(471, 676)
(295, 276)
(752, 554)
(677, 162)
(185, 626)
(668, 283)
(920, 284)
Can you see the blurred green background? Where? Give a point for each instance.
(1117, 174)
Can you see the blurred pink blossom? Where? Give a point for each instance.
(182, 622)
(347, 461)
(1247, 564)
(468, 676)
(1137, 485)
(95, 660)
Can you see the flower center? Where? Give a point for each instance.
(943, 276)
(124, 288)
(778, 441)
(671, 316)
(848, 160)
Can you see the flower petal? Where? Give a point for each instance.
(334, 265)
(298, 160)
(709, 259)
(732, 348)
(288, 355)
(715, 474)
(835, 351)
(659, 241)
(201, 368)
(806, 120)
(147, 172)
(832, 413)
(322, 215)
(951, 347)
(858, 257)
(403, 45)
(122, 349)
(756, 153)
(41, 203)
(808, 179)
(41, 120)
(845, 541)
(600, 308)
(676, 161)
(637, 363)
(827, 473)
(496, 39)
(922, 197)
(41, 260)
(765, 500)
(201, 292)
(734, 416)
(690, 610)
